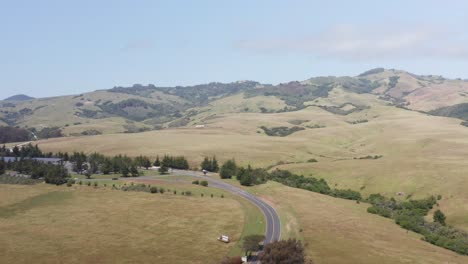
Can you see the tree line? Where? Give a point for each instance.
(120, 164)
(410, 215)
(53, 174)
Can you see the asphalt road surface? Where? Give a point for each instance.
(273, 224)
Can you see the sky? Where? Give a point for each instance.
(51, 48)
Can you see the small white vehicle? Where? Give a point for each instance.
(224, 238)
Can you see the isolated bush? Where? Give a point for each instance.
(161, 190)
(196, 182)
(439, 217)
(154, 189)
(204, 183)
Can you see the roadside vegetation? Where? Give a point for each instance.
(409, 214)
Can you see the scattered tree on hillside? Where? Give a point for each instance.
(439, 217)
(288, 251)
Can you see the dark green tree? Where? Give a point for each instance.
(147, 163)
(106, 166)
(228, 169)
(214, 165)
(439, 217)
(134, 170)
(157, 163)
(56, 174)
(124, 170)
(2, 167)
(163, 169)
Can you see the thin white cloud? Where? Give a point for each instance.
(357, 43)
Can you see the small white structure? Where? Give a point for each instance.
(199, 126)
(224, 238)
(244, 259)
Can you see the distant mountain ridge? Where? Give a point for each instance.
(18, 98)
(146, 107)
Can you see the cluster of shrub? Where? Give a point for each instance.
(410, 215)
(246, 176)
(360, 121)
(202, 183)
(370, 157)
(283, 251)
(311, 184)
(281, 131)
(53, 174)
(339, 109)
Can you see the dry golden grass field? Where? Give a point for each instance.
(341, 231)
(421, 155)
(81, 224)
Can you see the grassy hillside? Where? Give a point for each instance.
(341, 231)
(421, 154)
(140, 108)
(86, 224)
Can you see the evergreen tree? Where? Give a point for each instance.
(147, 163)
(106, 166)
(206, 164)
(157, 163)
(214, 165)
(245, 176)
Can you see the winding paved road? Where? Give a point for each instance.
(273, 224)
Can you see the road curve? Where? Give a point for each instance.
(273, 224)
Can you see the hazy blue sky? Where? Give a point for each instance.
(63, 47)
